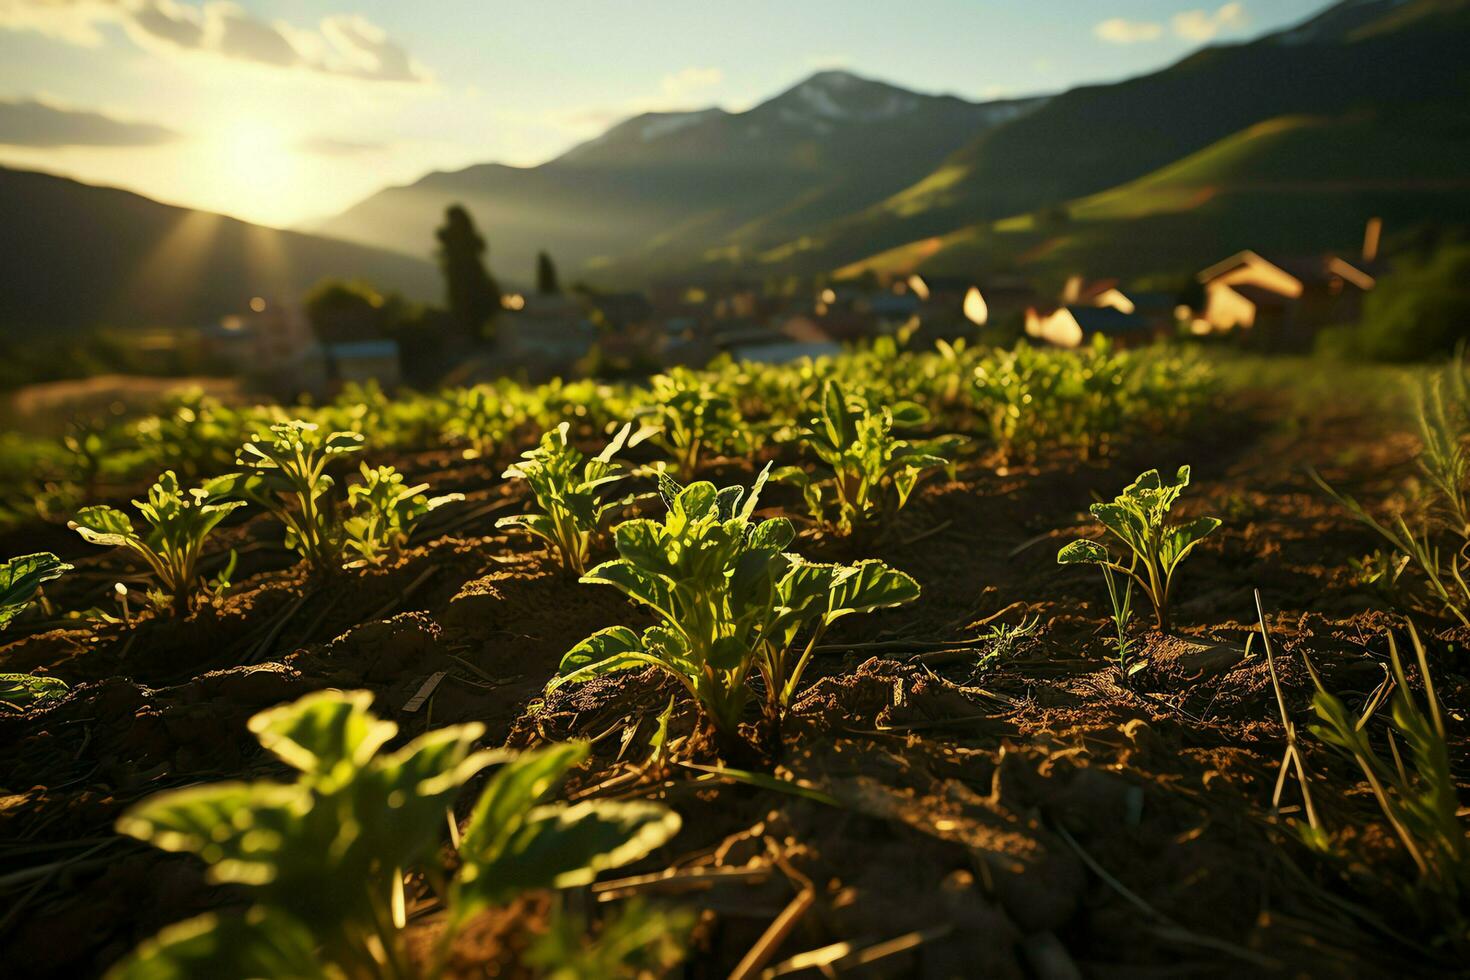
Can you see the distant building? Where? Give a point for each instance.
(1281, 303)
(267, 338)
(1074, 326)
(546, 333)
(361, 361)
(1081, 291)
(270, 344)
(621, 310)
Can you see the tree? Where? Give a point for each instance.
(344, 311)
(547, 283)
(473, 296)
(1419, 311)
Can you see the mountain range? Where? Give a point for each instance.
(1286, 143)
(1289, 141)
(661, 188)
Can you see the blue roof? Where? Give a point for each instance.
(363, 348)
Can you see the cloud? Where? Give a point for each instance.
(328, 147)
(1201, 25)
(1191, 25)
(1118, 30)
(346, 44)
(687, 80)
(39, 124)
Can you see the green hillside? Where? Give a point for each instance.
(1357, 59)
(1291, 184)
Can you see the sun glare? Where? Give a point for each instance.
(256, 169)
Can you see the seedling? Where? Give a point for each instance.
(1122, 602)
(1139, 517)
(867, 473)
(178, 524)
(384, 513)
(729, 602)
(286, 473)
(690, 417)
(482, 418)
(569, 492)
(21, 580)
(1003, 638)
(323, 858)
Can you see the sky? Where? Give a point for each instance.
(285, 111)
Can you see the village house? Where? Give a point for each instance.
(270, 344)
(1278, 303)
(545, 334)
(360, 362)
(1075, 325)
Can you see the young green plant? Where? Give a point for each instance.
(286, 473)
(1139, 518)
(384, 513)
(178, 522)
(569, 491)
(729, 602)
(323, 858)
(866, 472)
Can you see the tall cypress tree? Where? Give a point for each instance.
(473, 296)
(547, 283)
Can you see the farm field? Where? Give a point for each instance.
(951, 769)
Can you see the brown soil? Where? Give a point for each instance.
(1036, 818)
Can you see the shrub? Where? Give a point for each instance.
(1418, 310)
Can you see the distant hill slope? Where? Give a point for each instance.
(75, 255)
(1294, 184)
(663, 190)
(1365, 59)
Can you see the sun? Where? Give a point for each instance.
(254, 167)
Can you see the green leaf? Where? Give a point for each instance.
(697, 500)
(643, 543)
(909, 414)
(635, 583)
(836, 418)
(323, 730)
(21, 578)
(22, 690)
(262, 943)
(762, 780)
(605, 647)
(1084, 551)
(102, 525)
(565, 846)
(237, 828)
(727, 653)
(867, 586)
